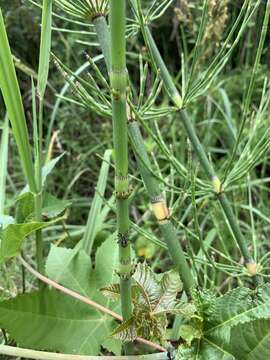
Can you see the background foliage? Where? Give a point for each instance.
(85, 136)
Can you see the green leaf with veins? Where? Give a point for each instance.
(153, 297)
(49, 320)
(235, 326)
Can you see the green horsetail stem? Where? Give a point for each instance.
(159, 206)
(150, 182)
(118, 79)
(199, 150)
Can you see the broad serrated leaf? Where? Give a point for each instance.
(254, 338)
(189, 333)
(203, 351)
(50, 320)
(111, 291)
(238, 306)
(107, 262)
(236, 326)
(147, 284)
(24, 207)
(126, 331)
(113, 345)
(170, 286)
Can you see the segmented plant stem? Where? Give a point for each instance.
(159, 206)
(118, 79)
(199, 150)
(150, 182)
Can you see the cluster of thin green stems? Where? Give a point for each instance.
(113, 48)
(177, 99)
(12, 97)
(140, 152)
(192, 88)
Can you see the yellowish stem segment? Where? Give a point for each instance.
(252, 268)
(217, 186)
(161, 211)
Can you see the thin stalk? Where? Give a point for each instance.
(118, 79)
(150, 182)
(159, 206)
(38, 180)
(45, 355)
(38, 235)
(43, 71)
(199, 150)
(162, 68)
(250, 87)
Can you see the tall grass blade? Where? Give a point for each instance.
(45, 47)
(13, 101)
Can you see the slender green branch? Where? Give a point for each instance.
(45, 355)
(250, 87)
(162, 68)
(199, 150)
(159, 206)
(43, 71)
